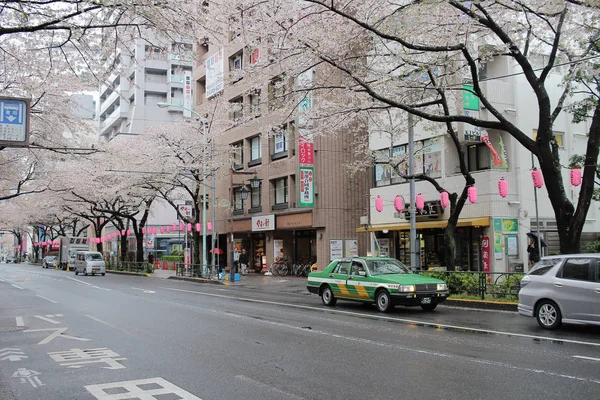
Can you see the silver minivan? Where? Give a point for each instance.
(89, 262)
(563, 288)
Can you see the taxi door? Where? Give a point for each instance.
(338, 278)
(357, 284)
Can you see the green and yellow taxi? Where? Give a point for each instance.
(383, 281)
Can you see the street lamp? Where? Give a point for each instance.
(164, 105)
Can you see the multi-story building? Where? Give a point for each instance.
(492, 233)
(302, 205)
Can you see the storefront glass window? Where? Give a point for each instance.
(399, 155)
(432, 158)
(383, 171)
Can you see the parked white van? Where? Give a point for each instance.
(89, 262)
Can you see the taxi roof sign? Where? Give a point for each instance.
(14, 122)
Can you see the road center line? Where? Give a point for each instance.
(587, 358)
(102, 322)
(18, 287)
(393, 319)
(77, 280)
(47, 299)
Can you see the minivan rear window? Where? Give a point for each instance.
(543, 266)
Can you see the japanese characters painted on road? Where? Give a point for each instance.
(57, 332)
(77, 358)
(139, 389)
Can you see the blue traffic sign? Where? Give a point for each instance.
(14, 121)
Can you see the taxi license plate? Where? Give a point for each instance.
(426, 300)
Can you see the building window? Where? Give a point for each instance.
(238, 203)
(238, 155)
(254, 102)
(236, 65)
(479, 157)
(399, 155)
(280, 144)
(255, 151)
(432, 158)
(558, 136)
(383, 170)
(255, 198)
(281, 191)
(237, 108)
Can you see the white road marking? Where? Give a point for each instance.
(20, 321)
(393, 319)
(47, 299)
(587, 358)
(12, 354)
(77, 280)
(102, 322)
(1, 280)
(52, 321)
(58, 332)
(18, 287)
(286, 395)
(432, 353)
(134, 391)
(28, 375)
(144, 290)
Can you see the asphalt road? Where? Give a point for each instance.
(127, 337)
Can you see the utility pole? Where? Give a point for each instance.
(414, 256)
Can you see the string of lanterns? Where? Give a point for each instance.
(536, 176)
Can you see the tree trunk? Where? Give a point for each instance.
(139, 247)
(456, 207)
(197, 241)
(570, 221)
(124, 248)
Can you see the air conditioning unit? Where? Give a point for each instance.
(364, 220)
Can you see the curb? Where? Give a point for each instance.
(482, 304)
(128, 273)
(197, 280)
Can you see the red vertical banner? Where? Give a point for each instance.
(485, 255)
(305, 151)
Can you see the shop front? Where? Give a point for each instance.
(394, 241)
(295, 239)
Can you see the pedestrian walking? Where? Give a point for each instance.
(534, 252)
(243, 261)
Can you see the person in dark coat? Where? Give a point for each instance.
(243, 261)
(534, 252)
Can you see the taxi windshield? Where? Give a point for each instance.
(382, 267)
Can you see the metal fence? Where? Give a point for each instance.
(196, 271)
(130, 266)
(481, 284)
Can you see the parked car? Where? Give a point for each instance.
(89, 262)
(11, 259)
(383, 281)
(563, 288)
(50, 262)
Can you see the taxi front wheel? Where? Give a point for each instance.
(383, 301)
(327, 297)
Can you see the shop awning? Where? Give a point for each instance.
(440, 224)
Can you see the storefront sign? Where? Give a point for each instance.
(307, 186)
(214, 74)
(470, 99)
(185, 210)
(512, 245)
(510, 225)
(351, 248)
(187, 94)
(277, 249)
(263, 223)
(498, 246)
(302, 220)
(497, 225)
(336, 249)
(485, 253)
(431, 209)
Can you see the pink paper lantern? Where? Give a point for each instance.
(576, 177)
(128, 232)
(189, 227)
(538, 178)
(379, 204)
(399, 203)
(420, 202)
(162, 229)
(181, 226)
(472, 192)
(143, 231)
(503, 187)
(122, 231)
(198, 228)
(174, 227)
(209, 226)
(444, 199)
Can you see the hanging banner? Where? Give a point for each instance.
(306, 148)
(307, 187)
(485, 138)
(485, 255)
(214, 74)
(503, 153)
(187, 94)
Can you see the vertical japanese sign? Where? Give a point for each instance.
(306, 148)
(187, 94)
(307, 192)
(214, 74)
(336, 249)
(498, 239)
(485, 254)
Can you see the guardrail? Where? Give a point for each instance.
(481, 284)
(130, 266)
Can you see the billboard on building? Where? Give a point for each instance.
(187, 94)
(214, 74)
(307, 187)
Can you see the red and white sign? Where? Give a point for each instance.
(485, 254)
(263, 223)
(185, 210)
(187, 94)
(306, 150)
(255, 56)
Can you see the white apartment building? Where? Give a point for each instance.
(492, 233)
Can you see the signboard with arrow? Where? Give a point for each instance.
(14, 122)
